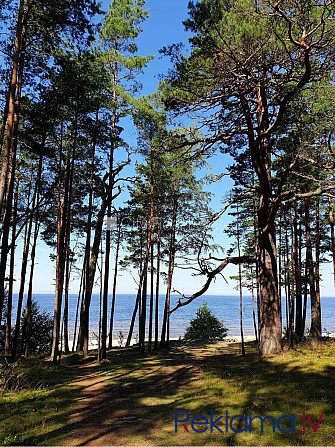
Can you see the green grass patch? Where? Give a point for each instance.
(132, 399)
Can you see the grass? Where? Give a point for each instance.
(132, 399)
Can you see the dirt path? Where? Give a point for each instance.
(124, 406)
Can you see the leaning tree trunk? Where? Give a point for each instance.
(77, 307)
(137, 303)
(138, 298)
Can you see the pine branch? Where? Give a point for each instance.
(210, 276)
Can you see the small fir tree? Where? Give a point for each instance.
(205, 326)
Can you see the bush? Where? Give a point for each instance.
(205, 326)
(41, 330)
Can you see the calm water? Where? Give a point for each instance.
(226, 308)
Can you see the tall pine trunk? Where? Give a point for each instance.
(317, 323)
(293, 280)
(11, 276)
(13, 97)
(63, 228)
(10, 152)
(151, 236)
(24, 264)
(85, 274)
(331, 223)
(28, 315)
(157, 277)
(111, 322)
(138, 298)
(165, 335)
(270, 324)
(299, 328)
(240, 287)
(315, 314)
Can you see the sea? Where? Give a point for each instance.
(226, 308)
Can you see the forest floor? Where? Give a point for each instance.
(132, 398)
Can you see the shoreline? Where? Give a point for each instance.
(94, 344)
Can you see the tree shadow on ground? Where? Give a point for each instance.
(132, 400)
(275, 386)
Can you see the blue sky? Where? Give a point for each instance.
(164, 27)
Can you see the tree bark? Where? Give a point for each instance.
(151, 235)
(331, 223)
(240, 287)
(11, 276)
(80, 344)
(165, 335)
(315, 311)
(111, 322)
(63, 228)
(138, 298)
(299, 329)
(293, 280)
(77, 307)
(24, 263)
(317, 321)
(144, 304)
(30, 291)
(132, 323)
(10, 151)
(91, 269)
(270, 325)
(157, 277)
(109, 214)
(66, 299)
(14, 95)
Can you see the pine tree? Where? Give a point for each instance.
(252, 64)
